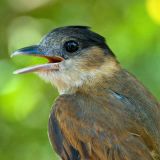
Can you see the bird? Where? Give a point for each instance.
(102, 112)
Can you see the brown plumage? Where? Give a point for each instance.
(103, 112)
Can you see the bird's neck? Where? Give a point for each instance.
(87, 81)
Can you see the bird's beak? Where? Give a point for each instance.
(35, 51)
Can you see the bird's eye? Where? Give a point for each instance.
(71, 46)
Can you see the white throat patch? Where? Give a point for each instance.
(70, 76)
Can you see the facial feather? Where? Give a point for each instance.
(86, 69)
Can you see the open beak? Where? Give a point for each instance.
(52, 65)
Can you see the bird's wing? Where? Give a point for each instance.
(58, 141)
(98, 132)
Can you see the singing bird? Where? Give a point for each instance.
(102, 112)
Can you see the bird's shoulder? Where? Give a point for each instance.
(65, 105)
(100, 132)
(118, 121)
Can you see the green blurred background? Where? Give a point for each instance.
(131, 27)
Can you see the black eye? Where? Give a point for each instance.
(71, 46)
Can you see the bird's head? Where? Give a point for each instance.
(76, 55)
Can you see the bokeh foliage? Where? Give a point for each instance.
(132, 29)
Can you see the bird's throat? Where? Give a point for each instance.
(71, 80)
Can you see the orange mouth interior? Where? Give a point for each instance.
(55, 59)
